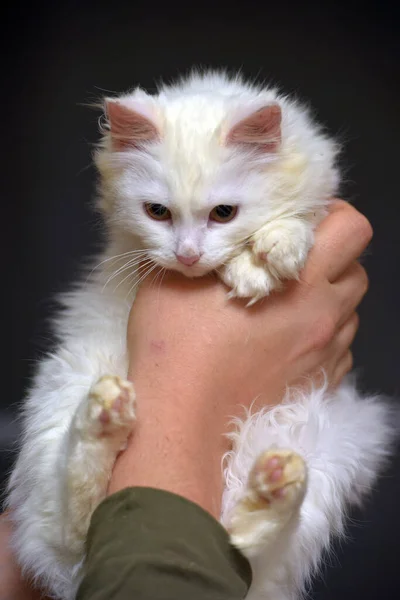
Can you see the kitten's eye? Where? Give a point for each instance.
(157, 211)
(223, 213)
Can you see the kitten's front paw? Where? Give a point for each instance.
(111, 407)
(247, 279)
(283, 247)
(277, 480)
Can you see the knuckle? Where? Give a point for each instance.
(348, 332)
(356, 321)
(360, 276)
(363, 227)
(323, 332)
(344, 367)
(364, 280)
(348, 362)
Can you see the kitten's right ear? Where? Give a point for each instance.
(261, 129)
(129, 127)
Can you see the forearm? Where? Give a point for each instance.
(176, 413)
(178, 394)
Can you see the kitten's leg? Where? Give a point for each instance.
(99, 430)
(346, 440)
(277, 251)
(275, 490)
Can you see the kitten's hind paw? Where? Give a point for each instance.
(275, 490)
(277, 480)
(110, 410)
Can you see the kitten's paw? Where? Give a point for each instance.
(247, 279)
(277, 480)
(275, 489)
(283, 247)
(111, 407)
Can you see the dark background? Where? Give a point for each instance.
(343, 58)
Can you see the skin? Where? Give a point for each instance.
(208, 358)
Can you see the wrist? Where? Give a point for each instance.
(178, 442)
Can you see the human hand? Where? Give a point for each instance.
(256, 351)
(197, 358)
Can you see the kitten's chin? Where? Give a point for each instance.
(193, 271)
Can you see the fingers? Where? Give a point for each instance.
(350, 289)
(345, 336)
(340, 240)
(340, 359)
(335, 359)
(343, 367)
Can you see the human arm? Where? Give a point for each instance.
(195, 361)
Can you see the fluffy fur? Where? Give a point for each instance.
(204, 142)
(343, 439)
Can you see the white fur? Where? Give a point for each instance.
(343, 439)
(281, 197)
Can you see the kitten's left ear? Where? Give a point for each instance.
(129, 127)
(261, 129)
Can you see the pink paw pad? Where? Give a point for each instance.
(104, 417)
(112, 404)
(277, 475)
(274, 469)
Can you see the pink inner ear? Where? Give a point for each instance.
(262, 128)
(128, 128)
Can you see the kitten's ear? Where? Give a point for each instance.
(261, 129)
(129, 128)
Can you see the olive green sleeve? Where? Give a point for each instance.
(149, 544)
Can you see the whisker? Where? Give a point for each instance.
(144, 265)
(130, 252)
(133, 271)
(163, 271)
(154, 280)
(144, 275)
(130, 264)
(119, 256)
(133, 261)
(133, 274)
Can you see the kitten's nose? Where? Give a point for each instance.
(188, 260)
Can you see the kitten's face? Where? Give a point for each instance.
(190, 219)
(189, 188)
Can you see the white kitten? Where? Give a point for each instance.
(210, 174)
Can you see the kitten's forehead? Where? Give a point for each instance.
(192, 148)
(199, 114)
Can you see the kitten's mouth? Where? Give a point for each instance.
(194, 270)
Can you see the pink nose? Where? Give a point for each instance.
(187, 260)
